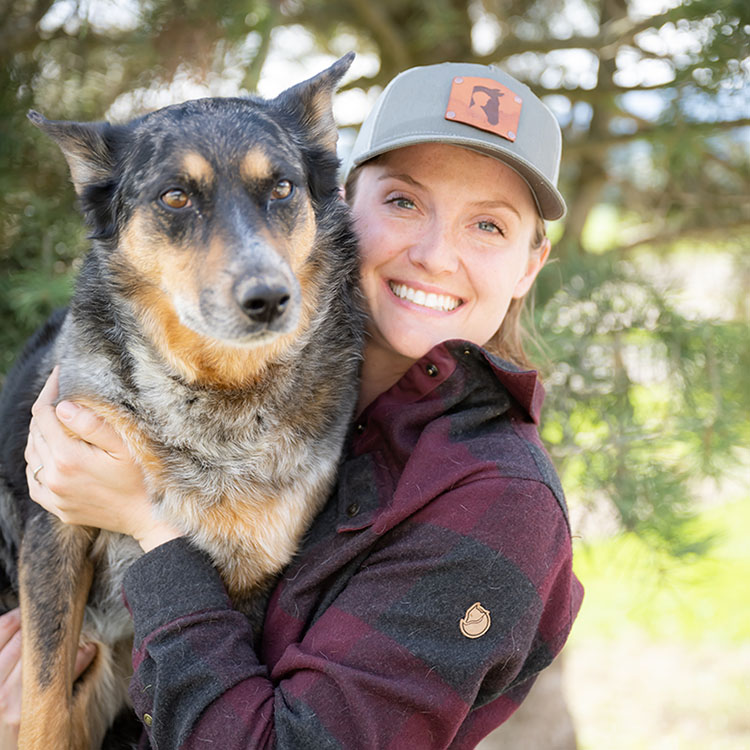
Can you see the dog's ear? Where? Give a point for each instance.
(85, 147)
(311, 102)
(89, 150)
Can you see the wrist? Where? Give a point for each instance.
(157, 534)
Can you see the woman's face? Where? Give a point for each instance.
(445, 236)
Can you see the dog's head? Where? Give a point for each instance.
(207, 213)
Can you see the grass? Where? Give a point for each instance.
(660, 655)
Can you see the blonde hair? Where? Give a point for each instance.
(508, 341)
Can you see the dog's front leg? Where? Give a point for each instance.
(55, 575)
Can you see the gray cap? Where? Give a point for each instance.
(476, 106)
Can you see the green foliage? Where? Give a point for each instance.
(40, 231)
(650, 590)
(643, 402)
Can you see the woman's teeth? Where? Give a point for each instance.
(442, 302)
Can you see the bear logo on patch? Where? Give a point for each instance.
(476, 622)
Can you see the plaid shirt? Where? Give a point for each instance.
(371, 639)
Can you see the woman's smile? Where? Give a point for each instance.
(438, 301)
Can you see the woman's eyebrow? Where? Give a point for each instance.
(495, 204)
(403, 177)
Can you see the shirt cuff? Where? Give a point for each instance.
(171, 581)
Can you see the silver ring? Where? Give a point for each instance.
(36, 471)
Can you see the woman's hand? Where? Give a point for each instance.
(88, 478)
(10, 675)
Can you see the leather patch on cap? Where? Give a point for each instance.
(476, 622)
(485, 104)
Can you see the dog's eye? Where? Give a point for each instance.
(283, 189)
(175, 198)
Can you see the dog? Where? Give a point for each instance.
(217, 326)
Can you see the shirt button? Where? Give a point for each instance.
(148, 720)
(360, 428)
(352, 510)
(432, 370)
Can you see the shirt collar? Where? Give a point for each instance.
(523, 385)
(430, 371)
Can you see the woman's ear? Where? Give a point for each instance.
(537, 259)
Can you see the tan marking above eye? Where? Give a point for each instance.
(282, 189)
(256, 166)
(175, 198)
(197, 167)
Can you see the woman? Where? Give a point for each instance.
(437, 581)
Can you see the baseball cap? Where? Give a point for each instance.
(479, 107)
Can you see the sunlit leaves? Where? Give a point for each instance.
(643, 402)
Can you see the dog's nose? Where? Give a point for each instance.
(262, 303)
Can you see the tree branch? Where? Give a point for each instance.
(611, 36)
(252, 74)
(17, 33)
(623, 31)
(724, 231)
(388, 36)
(596, 145)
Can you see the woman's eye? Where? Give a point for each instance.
(488, 226)
(402, 202)
(282, 189)
(175, 199)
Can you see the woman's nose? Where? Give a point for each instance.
(435, 249)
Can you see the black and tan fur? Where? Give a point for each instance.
(220, 338)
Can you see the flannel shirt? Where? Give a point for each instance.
(445, 500)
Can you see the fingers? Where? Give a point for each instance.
(48, 394)
(10, 642)
(10, 669)
(84, 423)
(10, 647)
(84, 657)
(53, 470)
(43, 495)
(45, 429)
(81, 471)
(62, 455)
(40, 465)
(10, 663)
(91, 428)
(10, 698)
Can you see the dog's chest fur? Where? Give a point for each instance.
(242, 472)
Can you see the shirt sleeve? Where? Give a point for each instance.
(453, 610)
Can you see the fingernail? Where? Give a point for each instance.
(66, 410)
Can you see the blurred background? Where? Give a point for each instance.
(642, 318)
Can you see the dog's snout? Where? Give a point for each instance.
(263, 303)
(260, 302)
